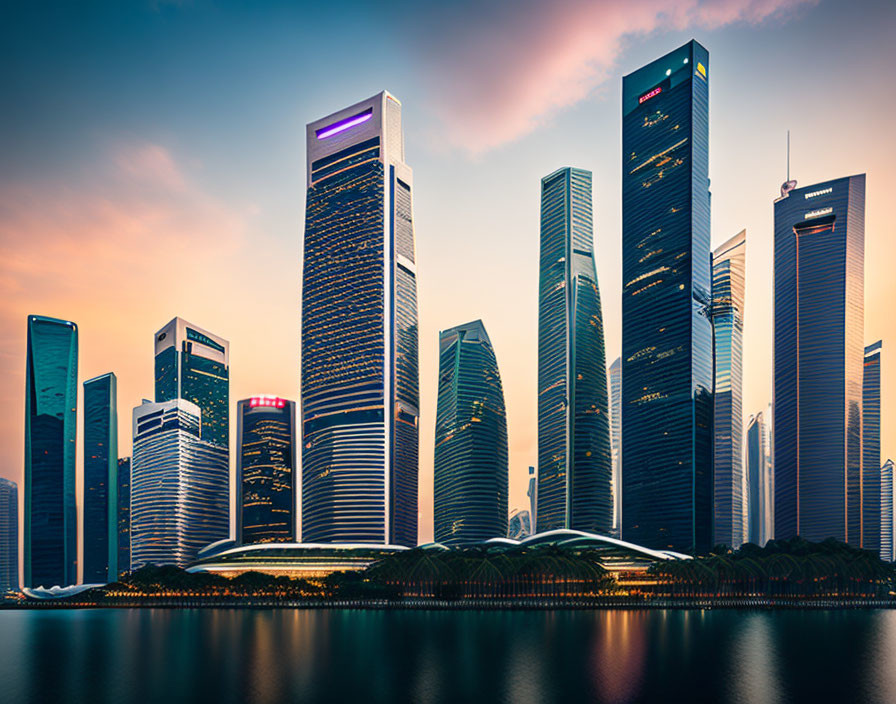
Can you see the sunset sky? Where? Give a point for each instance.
(153, 165)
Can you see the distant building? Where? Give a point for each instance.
(520, 524)
(667, 357)
(50, 543)
(871, 502)
(769, 488)
(728, 278)
(470, 469)
(574, 461)
(360, 384)
(9, 536)
(818, 345)
(124, 515)
(179, 486)
(887, 524)
(532, 493)
(758, 498)
(266, 470)
(616, 440)
(100, 503)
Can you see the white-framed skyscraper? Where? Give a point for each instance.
(887, 525)
(615, 375)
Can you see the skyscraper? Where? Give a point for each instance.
(574, 461)
(667, 357)
(819, 309)
(871, 530)
(51, 405)
(124, 515)
(616, 439)
(887, 524)
(360, 395)
(193, 364)
(100, 504)
(532, 493)
(470, 485)
(266, 470)
(757, 499)
(9, 536)
(727, 310)
(179, 485)
(768, 489)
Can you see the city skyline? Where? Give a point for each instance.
(279, 376)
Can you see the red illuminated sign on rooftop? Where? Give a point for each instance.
(647, 96)
(270, 401)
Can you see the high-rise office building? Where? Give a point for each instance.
(266, 470)
(50, 543)
(360, 386)
(757, 480)
(470, 471)
(768, 489)
(819, 309)
(871, 530)
(616, 440)
(887, 524)
(727, 311)
(100, 502)
(667, 356)
(179, 485)
(124, 515)
(519, 525)
(574, 460)
(532, 493)
(9, 536)
(193, 364)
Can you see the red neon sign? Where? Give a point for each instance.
(271, 401)
(647, 96)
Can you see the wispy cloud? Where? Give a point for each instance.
(503, 70)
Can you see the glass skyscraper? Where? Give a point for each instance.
(9, 536)
(179, 486)
(728, 277)
(266, 470)
(667, 355)
(470, 485)
(871, 530)
(51, 403)
(360, 386)
(193, 364)
(124, 515)
(574, 461)
(100, 503)
(818, 346)
(758, 499)
(616, 439)
(887, 525)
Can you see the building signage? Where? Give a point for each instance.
(647, 96)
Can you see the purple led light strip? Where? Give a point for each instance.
(345, 124)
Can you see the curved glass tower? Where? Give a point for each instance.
(51, 398)
(667, 356)
(360, 394)
(100, 504)
(470, 490)
(574, 458)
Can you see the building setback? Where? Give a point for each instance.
(9, 536)
(818, 345)
(667, 356)
(360, 386)
(50, 543)
(871, 502)
(470, 470)
(100, 501)
(574, 458)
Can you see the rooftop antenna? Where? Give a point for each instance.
(788, 185)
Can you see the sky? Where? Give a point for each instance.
(153, 165)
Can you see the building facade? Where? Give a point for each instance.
(470, 470)
(266, 470)
(871, 528)
(50, 543)
(615, 375)
(360, 385)
(9, 536)
(532, 494)
(667, 355)
(818, 373)
(124, 515)
(179, 486)
(519, 525)
(728, 287)
(100, 498)
(887, 524)
(193, 364)
(758, 496)
(574, 457)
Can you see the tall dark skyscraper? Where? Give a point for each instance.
(871, 531)
(470, 488)
(728, 278)
(360, 386)
(9, 536)
(667, 356)
(193, 364)
(266, 470)
(574, 460)
(100, 504)
(124, 515)
(51, 408)
(819, 317)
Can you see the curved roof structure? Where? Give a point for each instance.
(57, 592)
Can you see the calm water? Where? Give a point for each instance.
(223, 655)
